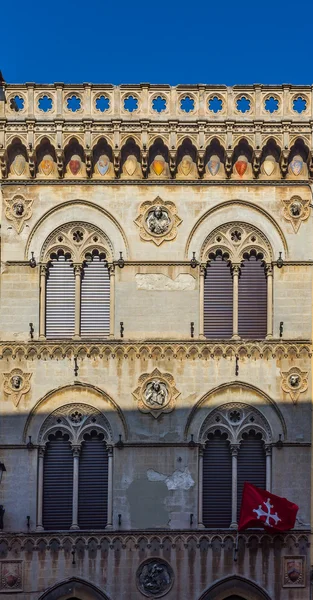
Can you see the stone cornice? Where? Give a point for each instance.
(157, 349)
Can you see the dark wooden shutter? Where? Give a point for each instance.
(252, 299)
(217, 482)
(218, 300)
(58, 483)
(60, 299)
(95, 299)
(93, 483)
(251, 464)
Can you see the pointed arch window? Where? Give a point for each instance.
(236, 285)
(75, 472)
(236, 449)
(76, 285)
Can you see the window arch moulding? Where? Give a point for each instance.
(75, 420)
(235, 419)
(78, 239)
(235, 239)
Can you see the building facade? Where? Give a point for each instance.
(156, 318)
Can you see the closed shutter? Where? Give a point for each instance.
(95, 299)
(252, 299)
(60, 299)
(218, 300)
(58, 483)
(251, 464)
(93, 483)
(217, 482)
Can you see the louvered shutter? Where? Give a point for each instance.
(217, 482)
(95, 299)
(252, 299)
(58, 483)
(218, 300)
(251, 464)
(60, 299)
(93, 484)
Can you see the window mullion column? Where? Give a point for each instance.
(234, 454)
(41, 453)
(269, 275)
(200, 488)
(201, 299)
(76, 452)
(78, 276)
(235, 272)
(109, 524)
(268, 453)
(42, 309)
(112, 299)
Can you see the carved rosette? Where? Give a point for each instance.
(18, 209)
(156, 393)
(294, 382)
(16, 384)
(296, 210)
(158, 221)
(154, 578)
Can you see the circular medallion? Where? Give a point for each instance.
(295, 209)
(157, 221)
(16, 382)
(154, 578)
(156, 394)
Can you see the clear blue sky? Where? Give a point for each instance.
(163, 41)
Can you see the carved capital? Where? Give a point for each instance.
(76, 450)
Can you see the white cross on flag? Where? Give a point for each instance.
(260, 508)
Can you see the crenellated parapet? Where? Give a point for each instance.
(104, 132)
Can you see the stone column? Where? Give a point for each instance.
(234, 453)
(201, 301)
(76, 452)
(235, 272)
(269, 275)
(200, 488)
(112, 299)
(268, 451)
(41, 453)
(78, 273)
(42, 316)
(109, 524)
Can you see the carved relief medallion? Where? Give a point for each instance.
(158, 221)
(18, 166)
(294, 382)
(156, 393)
(18, 210)
(154, 578)
(16, 384)
(296, 210)
(11, 576)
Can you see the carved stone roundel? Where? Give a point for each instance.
(156, 393)
(154, 578)
(158, 221)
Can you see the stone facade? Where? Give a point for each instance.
(155, 171)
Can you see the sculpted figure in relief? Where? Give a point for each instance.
(16, 382)
(156, 393)
(158, 220)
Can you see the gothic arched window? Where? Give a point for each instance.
(236, 449)
(75, 470)
(75, 285)
(237, 284)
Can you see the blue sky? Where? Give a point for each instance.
(161, 41)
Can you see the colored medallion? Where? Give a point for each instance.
(130, 165)
(19, 164)
(296, 165)
(241, 167)
(46, 165)
(158, 165)
(214, 165)
(103, 165)
(75, 164)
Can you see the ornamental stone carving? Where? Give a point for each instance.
(16, 384)
(235, 240)
(294, 382)
(158, 221)
(11, 576)
(236, 419)
(154, 578)
(156, 393)
(18, 209)
(76, 420)
(296, 210)
(77, 239)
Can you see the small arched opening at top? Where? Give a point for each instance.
(214, 159)
(17, 159)
(103, 159)
(158, 160)
(131, 160)
(74, 159)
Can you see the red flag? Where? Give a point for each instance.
(260, 508)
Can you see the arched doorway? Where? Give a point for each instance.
(235, 588)
(74, 589)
